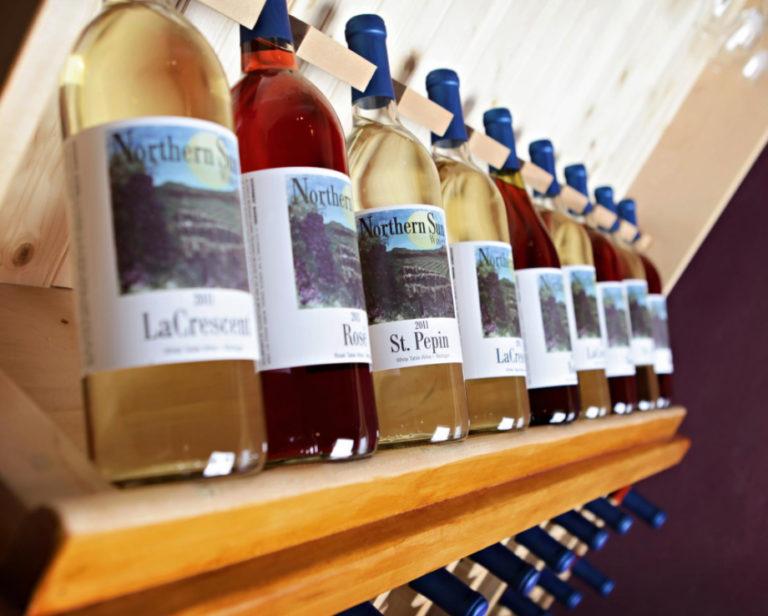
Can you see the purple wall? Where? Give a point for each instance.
(707, 560)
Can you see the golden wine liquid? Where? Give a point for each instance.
(390, 167)
(574, 248)
(475, 211)
(647, 381)
(163, 421)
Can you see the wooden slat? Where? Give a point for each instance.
(176, 531)
(342, 570)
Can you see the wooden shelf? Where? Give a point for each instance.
(318, 538)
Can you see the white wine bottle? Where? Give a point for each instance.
(414, 334)
(168, 333)
(486, 293)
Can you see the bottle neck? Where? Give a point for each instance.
(453, 149)
(512, 177)
(544, 202)
(267, 54)
(376, 109)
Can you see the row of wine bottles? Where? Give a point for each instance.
(388, 295)
(528, 572)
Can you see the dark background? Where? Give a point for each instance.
(709, 558)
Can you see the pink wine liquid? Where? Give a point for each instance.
(532, 247)
(282, 120)
(609, 268)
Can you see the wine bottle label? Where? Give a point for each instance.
(588, 344)
(408, 287)
(306, 268)
(640, 318)
(613, 311)
(158, 228)
(662, 355)
(547, 320)
(486, 301)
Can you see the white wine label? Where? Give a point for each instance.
(640, 318)
(408, 287)
(588, 345)
(613, 310)
(662, 356)
(486, 301)
(547, 325)
(306, 268)
(158, 228)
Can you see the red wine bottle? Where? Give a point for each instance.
(613, 307)
(315, 358)
(552, 382)
(657, 306)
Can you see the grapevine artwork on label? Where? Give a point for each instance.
(658, 310)
(324, 242)
(497, 291)
(554, 313)
(176, 208)
(405, 264)
(638, 311)
(615, 309)
(584, 293)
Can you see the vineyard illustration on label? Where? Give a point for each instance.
(615, 310)
(324, 242)
(497, 291)
(405, 265)
(638, 311)
(584, 293)
(175, 208)
(659, 325)
(554, 313)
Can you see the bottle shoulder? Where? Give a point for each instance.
(571, 239)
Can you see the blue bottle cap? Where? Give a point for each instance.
(508, 567)
(627, 209)
(562, 592)
(576, 178)
(604, 196)
(520, 604)
(367, 36)
(644, 509)
(364, 609)
(443, 89)
(543, 154)
(593, 577)
(551, 551)
(614, 517)
(498, 125)
(273, 23)
(581, 528)
(450, 594)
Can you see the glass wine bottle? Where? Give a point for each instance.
(486, 295)
(575, 252)
(168, 334)
(315, 359)
(544, 314)
(657, 307)
(641, 342)
(415, 345)
(613, 308)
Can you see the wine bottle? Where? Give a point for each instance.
(657, 306)
(168, 333)
(644, 509)
(414, 334)
(575, 252)
(561, 591)
(544, 315)
(520, 604)
(508, 567)
(362, 609)
(613, 307)
(543, 545)
(593, 577)
(614, 518)
(484, 277)
(450, 594)
(577, 525)
(641, 341)
(315, 355)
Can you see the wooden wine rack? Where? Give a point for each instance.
(300, 539)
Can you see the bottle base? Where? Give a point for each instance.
(199, 469)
